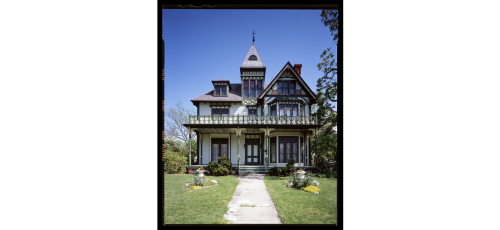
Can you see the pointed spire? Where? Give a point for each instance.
(253, 33)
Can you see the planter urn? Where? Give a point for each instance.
(200, 172)
(301, 174)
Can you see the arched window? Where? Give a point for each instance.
(252, 58)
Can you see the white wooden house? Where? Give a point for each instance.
(256, 125)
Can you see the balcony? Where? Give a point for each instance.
(249, 120)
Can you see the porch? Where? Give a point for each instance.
(267, 145)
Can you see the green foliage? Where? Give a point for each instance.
(220, 168)
(289, 168)
(331, 19)
(175, 163)
(327, 98)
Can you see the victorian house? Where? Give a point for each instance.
(257, 125)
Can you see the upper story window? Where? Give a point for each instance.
(252, 112)
(259, 87)
(286, 87)
(220, 90)
(252, 88)
(252, 58)
(245, 88)
(273, 110)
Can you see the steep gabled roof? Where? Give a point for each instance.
(255, 61)
(301, 81)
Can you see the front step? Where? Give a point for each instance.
(252, 169)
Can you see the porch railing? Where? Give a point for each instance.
(274, 120)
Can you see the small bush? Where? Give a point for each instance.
(175, 163)
(220, 168)
(289, 168)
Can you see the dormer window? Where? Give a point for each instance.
(252, 58)
(221, 87)
(220, 90)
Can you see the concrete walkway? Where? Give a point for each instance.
(251, 191)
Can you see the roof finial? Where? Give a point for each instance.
(253, 33)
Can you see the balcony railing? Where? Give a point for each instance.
(269, 120)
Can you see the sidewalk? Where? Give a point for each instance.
(251, 191)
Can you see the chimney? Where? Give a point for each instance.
(297, 68)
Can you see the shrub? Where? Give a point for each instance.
(289, 168)
(175, 162)
(221, 168)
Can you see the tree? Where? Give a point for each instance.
(327, 95)
(175, 117)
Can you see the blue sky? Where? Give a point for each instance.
(205, 45)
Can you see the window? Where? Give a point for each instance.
(273, 110)
(286, 87)
(252, 112)
(295, 111)
(220, 112)
(252, 88)
(259, 87)
(219, 148)
(252, 58)
(272, 154)
(282, 110)
(245, 88)
(220, 90)
(288, 148)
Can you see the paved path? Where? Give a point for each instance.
(252, 191)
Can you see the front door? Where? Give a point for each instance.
(252, 152)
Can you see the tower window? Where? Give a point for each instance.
(252, 58)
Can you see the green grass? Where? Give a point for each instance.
(202, 206)
(300, 207)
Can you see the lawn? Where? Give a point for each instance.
(299, 207)
(202, 206)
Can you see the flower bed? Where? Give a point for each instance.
(301, 183)
(200, 182)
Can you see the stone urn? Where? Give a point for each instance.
(200, 172)
(301, 174)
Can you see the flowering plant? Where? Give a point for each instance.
(201, 168)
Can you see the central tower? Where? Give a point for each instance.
(253, 76)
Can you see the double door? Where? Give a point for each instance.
(252, 152)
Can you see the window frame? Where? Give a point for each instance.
(219, 142)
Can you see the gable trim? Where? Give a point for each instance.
(296, 76)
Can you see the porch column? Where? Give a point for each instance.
(306, 142)
(190, 130)
(267, 131)
(315, 132)
(238, 133)
(189, 143)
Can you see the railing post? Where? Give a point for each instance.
(238, 123)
